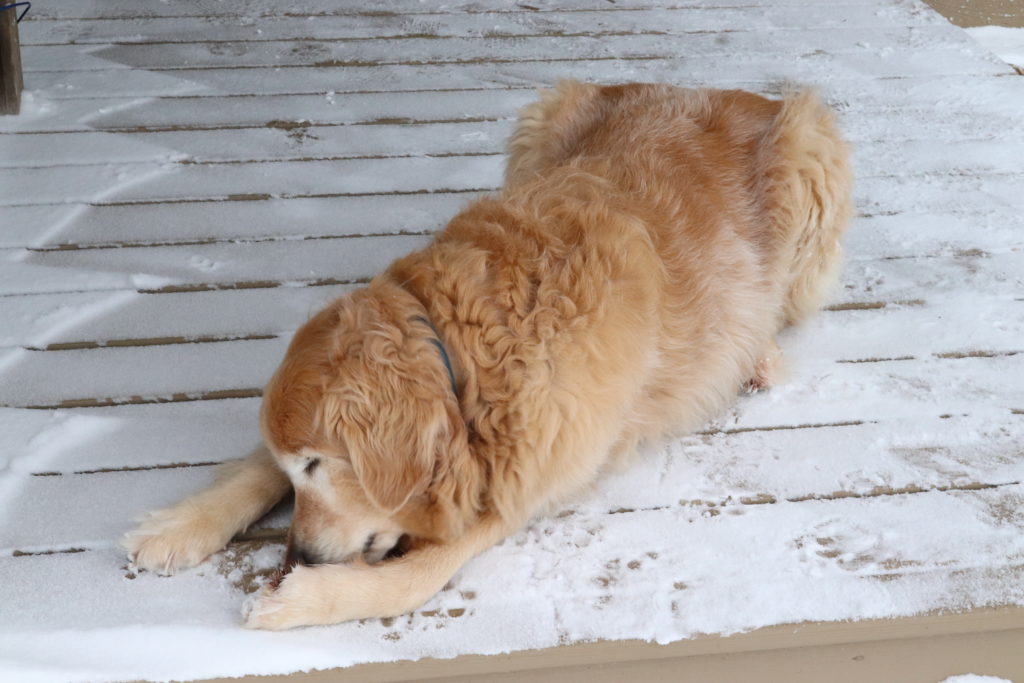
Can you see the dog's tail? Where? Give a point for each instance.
(808, 198)
(549, 129)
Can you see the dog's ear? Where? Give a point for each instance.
(391, 404)
(388, 409)
(394, 456)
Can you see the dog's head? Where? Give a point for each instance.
(362, 417)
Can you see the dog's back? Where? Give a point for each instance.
(745, 197)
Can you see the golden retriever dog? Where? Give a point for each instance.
(626, 284)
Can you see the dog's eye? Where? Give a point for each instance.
(311, 466)
(368, 546)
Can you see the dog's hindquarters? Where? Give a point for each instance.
(806, 195)
(800, 168)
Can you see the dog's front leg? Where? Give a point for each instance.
(185, 534)
(332, 593)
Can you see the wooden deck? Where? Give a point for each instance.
(188, 181)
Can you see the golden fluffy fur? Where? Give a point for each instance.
(627, 283)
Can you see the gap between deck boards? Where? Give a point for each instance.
(198, 241)
(343, 64)
(206, 287)
(433, 36)
(189, 128)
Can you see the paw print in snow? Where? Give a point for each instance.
(431, 619)
(616, 571)
(830, 546)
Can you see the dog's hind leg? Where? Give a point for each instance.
(187, 533)
(332, 593)
(768, 370)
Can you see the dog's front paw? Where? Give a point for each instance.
(322, 594)
(173, 539)
(268, 611)
(293, 602)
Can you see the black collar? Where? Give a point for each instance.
(436, 341)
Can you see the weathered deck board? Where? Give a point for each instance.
(211, 8)
(433, 50)
(223, 265)
(356, 27)
(884, 108)
(301, 178)
(303, 141)
(272, 141)
(955, 224)
(497, 74)
(256, 218)
(130, 318)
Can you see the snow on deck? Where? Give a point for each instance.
(189, 181)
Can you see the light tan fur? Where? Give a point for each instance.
(625, 285)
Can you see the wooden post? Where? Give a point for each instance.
(10, 63)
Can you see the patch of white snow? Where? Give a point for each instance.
(1006, 42)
